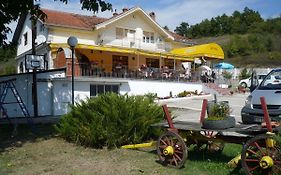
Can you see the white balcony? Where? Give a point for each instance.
(135, 43)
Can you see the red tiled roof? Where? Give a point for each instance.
(71, 19)
(178, 37)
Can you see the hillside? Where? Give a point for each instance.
(249, 53)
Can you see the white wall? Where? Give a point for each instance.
(60, 35)
(162, 89)
(23, 84)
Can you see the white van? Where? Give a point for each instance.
(270, 88)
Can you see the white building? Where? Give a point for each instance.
(127, 53)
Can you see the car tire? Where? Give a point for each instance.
(228, 122)
(243, 84)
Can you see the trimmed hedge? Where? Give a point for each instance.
(111, 120)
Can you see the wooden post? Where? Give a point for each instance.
(169, 118)
(266, 115)
(203, 110)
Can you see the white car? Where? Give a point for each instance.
(270, 88)
(247, 82)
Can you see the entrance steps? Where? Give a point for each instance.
(216, 89)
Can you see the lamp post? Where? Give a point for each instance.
(72, 42)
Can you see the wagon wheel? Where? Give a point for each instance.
(208, 145)
(171, 150)
(262, 155)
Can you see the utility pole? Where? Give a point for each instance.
(34, 75)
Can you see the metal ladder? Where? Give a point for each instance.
(8, 84)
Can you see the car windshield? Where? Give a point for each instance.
(272, 80)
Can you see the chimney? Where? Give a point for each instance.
(125, 9)
(152, 15)
(115, 13)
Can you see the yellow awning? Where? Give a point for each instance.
(209, 51)
(55, 46)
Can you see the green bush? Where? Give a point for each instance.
(111, 120)
(244, 74)
(185, 93)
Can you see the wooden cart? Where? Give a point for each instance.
(261, 152)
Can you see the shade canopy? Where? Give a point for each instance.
(223, 65)
(208, 51)
(55, 46)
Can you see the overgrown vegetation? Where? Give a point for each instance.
(247, 39)
(7, 60)
(111, 120)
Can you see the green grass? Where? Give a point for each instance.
(29, 153)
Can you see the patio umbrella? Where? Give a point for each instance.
(223, 65)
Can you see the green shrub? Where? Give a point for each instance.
(244, 74)
(185, 93)
(111, 120)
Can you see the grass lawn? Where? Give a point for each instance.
(45, 153)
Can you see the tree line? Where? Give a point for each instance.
(248, 21)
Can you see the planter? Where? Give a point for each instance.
(228, 122)
(212, 103)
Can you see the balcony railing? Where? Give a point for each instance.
(135, 43)
(149, 73)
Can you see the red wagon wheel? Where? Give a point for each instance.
(171, 150)
(210, 146)
(262, 155)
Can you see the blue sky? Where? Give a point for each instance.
(173, 12)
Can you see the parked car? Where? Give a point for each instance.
(247, 82)
(270, 88)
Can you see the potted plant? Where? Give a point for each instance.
(218, 116)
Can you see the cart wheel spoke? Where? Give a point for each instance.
(178, 157)
(253, 168)
(258, 146)
(175, 160)
(252, 160)
(163, 141)
(253, 152)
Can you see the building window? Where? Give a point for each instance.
(41, 28)
(124, 33)
(152, 37)
(119, 33)
(96, 89)
(148, 37)
(21, 67)
(25, 38)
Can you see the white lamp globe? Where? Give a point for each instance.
(72, 41)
